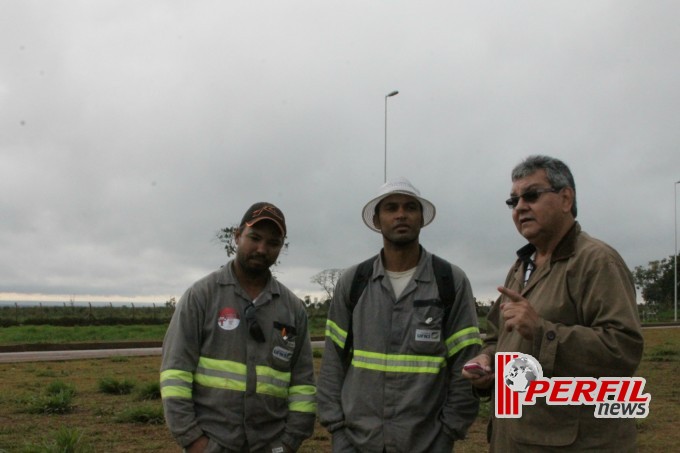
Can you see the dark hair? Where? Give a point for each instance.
(558, 174)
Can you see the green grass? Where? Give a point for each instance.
(64, 440)
(56, 399)
(80, 334)
(126, 423)
(87, 334)
(113, 386)
(149, 391)
(148, 414)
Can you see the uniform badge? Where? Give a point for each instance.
(428, 335)
(228, 319)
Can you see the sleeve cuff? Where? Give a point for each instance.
(291, 441)
(190, 436)
(332, 427)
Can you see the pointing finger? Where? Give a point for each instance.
(510, 294)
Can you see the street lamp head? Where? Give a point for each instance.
(394, 93)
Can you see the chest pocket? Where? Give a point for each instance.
(427, 330)
(283, 346)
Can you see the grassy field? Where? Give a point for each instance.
(110, 409)
(79, 334)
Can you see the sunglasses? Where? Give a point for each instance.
(253, 326)
(529, 196)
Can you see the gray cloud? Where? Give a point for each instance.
(133, 132)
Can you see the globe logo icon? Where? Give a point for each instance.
(521, 371)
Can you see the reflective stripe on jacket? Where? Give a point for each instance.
(219, 381)
(403, 386)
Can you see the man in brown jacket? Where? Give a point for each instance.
(569, 301)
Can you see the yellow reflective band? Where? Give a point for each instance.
(398, 363)
(176, 384)
(221, 374)
(220, 382)
(185, 376)
(282, 376)
(336, 334)
(222, 365)
(307, 390)
(462, 339)
(175, 392)
(302, 398)
(272, 382)
(302, 406)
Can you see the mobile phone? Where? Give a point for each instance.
(475, 368)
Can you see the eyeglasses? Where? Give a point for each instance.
(529, 196)
(253, 327)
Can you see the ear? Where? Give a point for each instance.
(567, 199)
(376, 221)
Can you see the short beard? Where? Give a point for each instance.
(251, 271)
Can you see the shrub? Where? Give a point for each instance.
(150, 391)
(66, 440)
(115, 387)
(152, 415)
(57, 399)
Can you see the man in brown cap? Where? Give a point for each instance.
(237, 371)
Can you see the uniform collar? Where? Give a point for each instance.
(565, 248)
(379, 267)
(226, 276)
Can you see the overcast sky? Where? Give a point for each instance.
(133, 131)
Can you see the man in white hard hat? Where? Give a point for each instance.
(400, 327)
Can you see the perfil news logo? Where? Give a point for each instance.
(519, 381)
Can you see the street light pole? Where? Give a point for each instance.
(675, 249)
(394, 93)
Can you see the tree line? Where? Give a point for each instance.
(655, 281)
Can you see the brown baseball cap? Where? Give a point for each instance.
(264, 211)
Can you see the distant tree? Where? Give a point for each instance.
(656, 283)
(482, 307)
(227, 236)
(327, 279)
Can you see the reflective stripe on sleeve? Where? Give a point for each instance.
(302, 398)
(462, 339)
(336, 334)
(176, 384)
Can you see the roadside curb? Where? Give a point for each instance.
(37, 347)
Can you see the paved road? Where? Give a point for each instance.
(43, 356)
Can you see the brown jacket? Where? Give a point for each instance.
(589, 326)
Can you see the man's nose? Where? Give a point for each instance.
(522, 205)
(262, 247)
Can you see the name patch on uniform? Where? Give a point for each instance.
(282, 354)
(428, 335)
